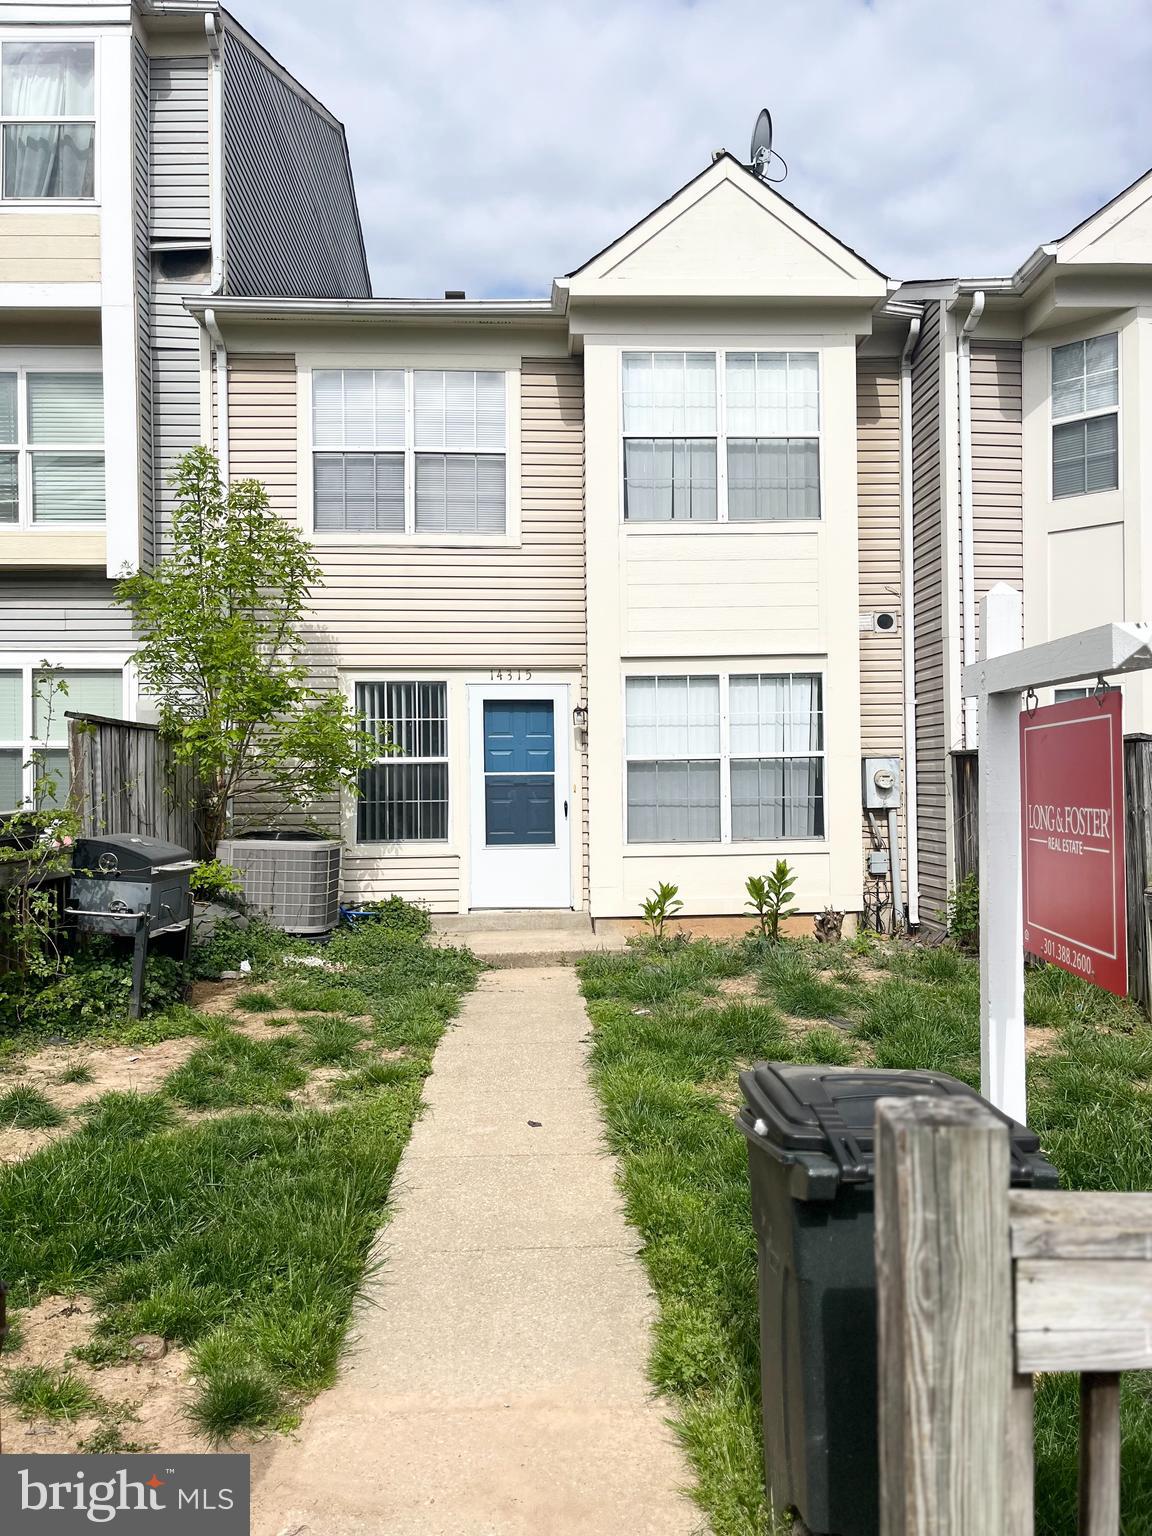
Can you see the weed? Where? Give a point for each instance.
(233, 1071)
(25, 1108)
(128, 1115)
(330, 1040)
(768, 898)
(962, 915)
(40, 1393)
(109, 1440)
(374, 1076)
(75, 1072)
(659, 907)
(234, 1399)
(259, 1001)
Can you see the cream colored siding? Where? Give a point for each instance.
(932, 762)
(997, 469)
(384, 609)
(878, 478)
(49, 247)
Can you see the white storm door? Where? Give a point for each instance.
(520, 795)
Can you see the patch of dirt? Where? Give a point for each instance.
(314, 1093)
(1041, 1040)
(738, 986)
(218, 996)
(148, 1397)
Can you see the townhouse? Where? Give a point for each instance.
(148, 151)
(664, 576)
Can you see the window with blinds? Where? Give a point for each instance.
(404, 796)
(403, 451)
(730, 758)
(51, 447)
(721, 437)
(34, 730)
(1085, 418)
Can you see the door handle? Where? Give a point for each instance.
(565, 810)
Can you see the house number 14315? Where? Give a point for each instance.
(506, 675)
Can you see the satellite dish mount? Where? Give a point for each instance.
(763, 159)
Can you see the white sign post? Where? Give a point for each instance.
(998, 679)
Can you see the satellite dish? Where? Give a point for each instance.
(762, 153)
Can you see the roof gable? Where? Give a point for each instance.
(727, 235)
(1120, 232)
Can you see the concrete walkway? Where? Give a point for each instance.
(497, 1387)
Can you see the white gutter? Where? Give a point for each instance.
(221, 354)
(908, 622)
(967, 533)
(500, 310)
(216, 134)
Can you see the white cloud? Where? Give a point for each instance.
(497, 143)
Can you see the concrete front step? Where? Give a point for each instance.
(534, 921)
(534, 948)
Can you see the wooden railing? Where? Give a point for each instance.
(978, 1289)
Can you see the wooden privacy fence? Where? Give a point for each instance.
(124, 779)
(979, 1288)
(1137, 848)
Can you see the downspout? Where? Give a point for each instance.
(967, 534)
(908, 626)
(216, 135)
(221, 355)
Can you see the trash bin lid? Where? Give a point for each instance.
(832, 1110)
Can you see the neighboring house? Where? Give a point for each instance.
(634, 575)
(148, 152)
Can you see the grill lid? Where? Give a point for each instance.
(124, 854)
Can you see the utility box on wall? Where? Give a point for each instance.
(881, 783)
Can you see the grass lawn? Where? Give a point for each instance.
(672, 1027)
(230, 1209)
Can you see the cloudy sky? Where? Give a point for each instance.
(497, 143)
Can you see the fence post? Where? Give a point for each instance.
(944, 1298)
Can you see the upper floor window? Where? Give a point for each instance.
(728, 437)
(1085, 437)
(48, 113)
(409, 451)
(51, 447)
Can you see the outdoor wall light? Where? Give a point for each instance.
(580, 717)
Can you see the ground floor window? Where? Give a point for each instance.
(34, 731)
(729, 757)
(404, 796)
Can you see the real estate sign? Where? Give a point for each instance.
(1072, 780)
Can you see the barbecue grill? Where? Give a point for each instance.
(135, 888)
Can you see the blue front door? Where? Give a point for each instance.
(519, 773)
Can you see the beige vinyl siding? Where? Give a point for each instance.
(49, 247)
(997, 469)
(878, 480)
(390, 608)
(932, 762)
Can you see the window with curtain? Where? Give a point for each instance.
(34, 731)
(409, 451)
(404, 796)
(776, 744)
(1085, 420)
(693, 452)
(51, 447)
(759, 734)
(48, 120)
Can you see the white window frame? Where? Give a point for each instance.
(747, 525)
(28, 664)
(411, 535)
(355, 681)
(25, 360)
(1073, 417)
(727, 842)
(5, 119)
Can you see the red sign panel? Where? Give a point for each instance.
(1072, 777)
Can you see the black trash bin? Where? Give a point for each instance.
(810, 1133)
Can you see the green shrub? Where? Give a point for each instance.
(257, 942)
(91, 989)
(962, 914)
(659, 907)
(397, 915)
(768, 898)
(213, 881)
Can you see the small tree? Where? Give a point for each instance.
(222, 653)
